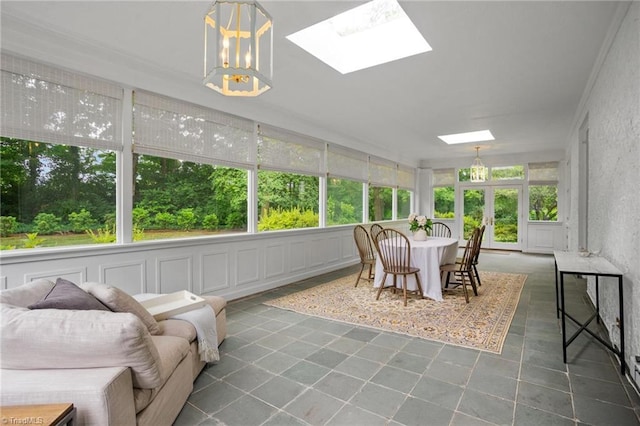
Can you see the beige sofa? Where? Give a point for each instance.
(108, 364)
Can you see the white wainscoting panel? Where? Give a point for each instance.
(274, 260)
(128, 276)
(247, 262)
(333, 249)
(215, 271)
(297, 258)
(545, 237)
(316, 252)
(174, 274)
(348, 247)
(75, 275)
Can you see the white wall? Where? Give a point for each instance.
(613, 110)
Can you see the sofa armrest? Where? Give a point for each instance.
(64, 339)
(102, 396)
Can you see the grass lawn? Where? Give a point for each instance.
(17, 241)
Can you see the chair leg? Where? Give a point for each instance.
(359, 275)
(473, 282)
(475, 269)
(464, 288)
(370, 271)
(404, 289)
(384, 278)
(420, 285)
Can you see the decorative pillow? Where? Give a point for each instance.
(119, 301)
(67, 295)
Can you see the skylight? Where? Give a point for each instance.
(371, 34)
(479, 136)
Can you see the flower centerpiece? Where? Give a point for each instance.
(420, 226)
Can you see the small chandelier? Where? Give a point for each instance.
(238, 48)
(478, 170)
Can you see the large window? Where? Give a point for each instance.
(287, 201)
(56, 195)
(344, 201)
(59, 138)
(174, 198)
(347, 172)
(70, 166)
(404, 203)
(382, 179)
(543, 191)
(507, 173)
(288, 180)
(444, 193)
(406, 182)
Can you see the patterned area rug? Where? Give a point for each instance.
(481, 324)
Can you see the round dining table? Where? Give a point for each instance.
(428, 256)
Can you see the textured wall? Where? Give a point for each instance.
(613, 108)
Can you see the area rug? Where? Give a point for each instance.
(481, 324)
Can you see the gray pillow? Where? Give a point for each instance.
(67, 295)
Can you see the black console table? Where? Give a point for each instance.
(572, 263)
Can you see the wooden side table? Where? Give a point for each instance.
(43, 414)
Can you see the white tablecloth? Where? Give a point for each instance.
(428, 256)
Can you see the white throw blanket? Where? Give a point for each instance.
(204, 321)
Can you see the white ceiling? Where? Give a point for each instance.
(518, 68)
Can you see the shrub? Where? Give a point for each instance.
(186, 219)
(165, 221)
(32, 240)
(141, 217)
(8, 225)
(81, 221)
(288, 219)
(138, 233)
(236, 220)
(46, 223)
(210, 222)
(101, 236)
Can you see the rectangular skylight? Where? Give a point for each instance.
(371, 34)
(479, 136)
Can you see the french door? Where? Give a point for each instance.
(499, 208)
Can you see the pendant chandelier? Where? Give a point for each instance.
(478, 170)
(238, 48)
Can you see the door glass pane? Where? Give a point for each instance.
(473, 210)
(505, 206)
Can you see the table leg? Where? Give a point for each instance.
(597, 300)
(557, 297)
(621, 297)
(564, 325)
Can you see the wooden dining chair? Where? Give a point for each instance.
(476, 254)
(373, 231)
(394, 250)
(463, 270)
(365, 250)
(439, 229)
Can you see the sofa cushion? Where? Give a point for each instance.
(43, 338)
(119, 301)
(171, 350)
(27, 293)
(67, 295)
(178, 328)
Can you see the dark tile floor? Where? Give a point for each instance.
(283, 368)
